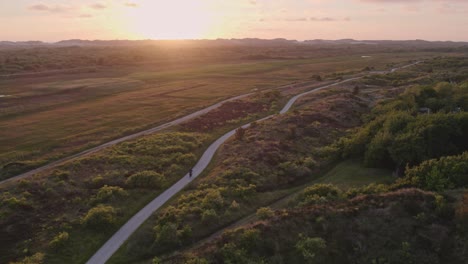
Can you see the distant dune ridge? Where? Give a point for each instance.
(240, 42)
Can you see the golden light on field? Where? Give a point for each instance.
(174, 19)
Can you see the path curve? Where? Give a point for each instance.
(130, 137)
(117, 240)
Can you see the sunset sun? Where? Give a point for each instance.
(176, 19)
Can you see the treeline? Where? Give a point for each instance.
(423, 123)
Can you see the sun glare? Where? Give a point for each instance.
(175, 19)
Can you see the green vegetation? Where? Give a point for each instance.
(396, 227)
(376, 223)
(440, 174)
(105, 189)
(100, 217)
(68, 212)
(350, 173)
(77, 206)
(396, 134)
(50, 116)
(249, 173)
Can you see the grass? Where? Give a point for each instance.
(51, 117)
(346, 174)
(83, 242)
(112, 164)
(139, 246)
(171, 93)
(351, 173)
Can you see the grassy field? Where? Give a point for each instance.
(46, 118)
(57, 200)
(256, 170)
(350, 174)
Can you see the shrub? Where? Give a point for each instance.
(369, 189)
(166, 235)
(146, 179)
(209, 216)
(318, 193)
(213, 199)
(61, 175)
(310, 247)
(234, 206)
(440, 174)
(37, 258)
(310, 163)
(462, 212)
(59, 240)
(110, 193)
(231, 254)
(240, 133)
(265, 213)
(100, 216)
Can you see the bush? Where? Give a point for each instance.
(369, 189)
(310, 247)
(213, 199)
(166, 235)
(100, 216)
(265, 213)
(37, 258)
(234, 206)
(110, 193)
(59, 240)
(318, 193)
(209, 216)
(240, 133)
(395, 133)
(440, 174)
(146, 179)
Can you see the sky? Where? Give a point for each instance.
(54, 20)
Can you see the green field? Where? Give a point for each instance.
(349, 174)
(50, 117)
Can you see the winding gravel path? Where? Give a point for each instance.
(114, 243)
(129, 137)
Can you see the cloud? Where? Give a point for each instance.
(305, 19)
(392, 1)
(47, 8)
(325, 19)
(300, 19)
(130, 4)
(413, 1)
(253, 2)
(98, 6)
(85, 16)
